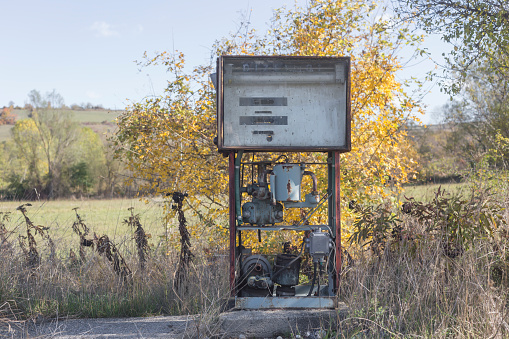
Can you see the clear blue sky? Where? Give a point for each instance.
(86, 50)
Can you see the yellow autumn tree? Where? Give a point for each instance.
(381, 153)
(168, 141)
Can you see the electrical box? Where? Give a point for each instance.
(283, 103)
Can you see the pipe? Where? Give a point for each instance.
(337, 220)
(262, 178)
(310, 213)
(238, 212)
(315, 180)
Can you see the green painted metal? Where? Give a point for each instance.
(238, 212)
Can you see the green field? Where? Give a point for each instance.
(5, 132)
(105, 216)
(101, 216)
(427, 192)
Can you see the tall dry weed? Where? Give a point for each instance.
(413, 284)
(140, 237)
(28, 244)
(5, 234)
(185, 243)
(81, 229)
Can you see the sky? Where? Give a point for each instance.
(87, 50)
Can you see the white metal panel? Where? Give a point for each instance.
(304, 106)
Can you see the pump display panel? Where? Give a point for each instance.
(273, 103)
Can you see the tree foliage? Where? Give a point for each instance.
(478, 29)
(479, 118)
(7, 117)
(52, 99)
(49, 150)
(167, 140)
(479, 77)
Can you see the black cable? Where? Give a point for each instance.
(320, 271)
(314, 278)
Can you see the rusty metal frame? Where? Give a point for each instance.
(337, 219)
(231, 203)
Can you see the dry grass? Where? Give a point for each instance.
(94, 288)
(426, 295)
(415, 289)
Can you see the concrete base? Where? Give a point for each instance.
(285, 323)
(233, 324)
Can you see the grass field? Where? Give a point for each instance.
(427, 192)
(5, 132)
(101, 216)
(415, 287)
(107, 277)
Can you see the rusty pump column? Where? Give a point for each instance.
(231, 203)
(337, 217)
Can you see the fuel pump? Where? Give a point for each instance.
(268, 104)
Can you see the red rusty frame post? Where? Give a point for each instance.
(231, 203)
(337, 218)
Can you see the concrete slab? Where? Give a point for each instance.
(150, 327)
(234, 324)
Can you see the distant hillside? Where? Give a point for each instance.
(99, 120)
(91, 115)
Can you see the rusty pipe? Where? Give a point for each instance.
(315, 180)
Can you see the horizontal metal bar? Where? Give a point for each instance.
(284, 302)
(268, 148)
(271, 162)
(282, 227)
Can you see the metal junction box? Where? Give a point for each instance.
(283, 103)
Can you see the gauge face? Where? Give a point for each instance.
(283, 103)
